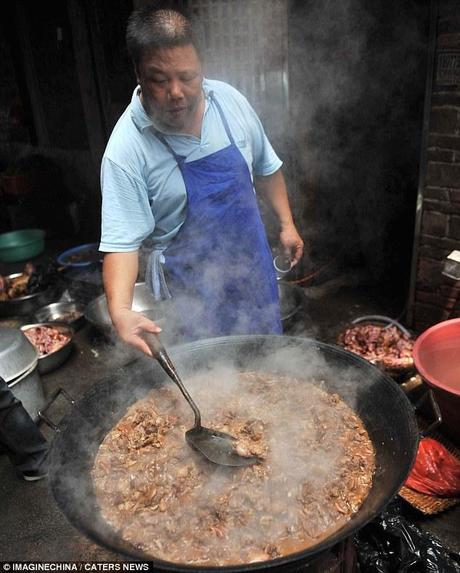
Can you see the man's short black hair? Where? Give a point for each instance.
(160, 25)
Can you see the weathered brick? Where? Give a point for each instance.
(439, 99)
(444, 141)
(441, 242)
(437, 298)
(446, 207)
(454, 195)
(455, 208)
(448, 41)
(438, 154)
(454, 227)
(425, 315)
(443, 175)
(433, 298)
(429, 273)
(448, 9)
(434, 223)
(435, 205)
(446, 306)
(437, 194)
(445, 120)
(451, 291)
(431, 252)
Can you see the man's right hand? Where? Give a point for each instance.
(130, 325)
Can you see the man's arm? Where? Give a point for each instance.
(120, 273)
(273, 187)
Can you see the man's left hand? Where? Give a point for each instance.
(292, 244)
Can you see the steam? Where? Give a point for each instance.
(339, 87)
(358, 72)
(288, 412)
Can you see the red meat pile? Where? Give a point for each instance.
(387, 346)
(46, 339)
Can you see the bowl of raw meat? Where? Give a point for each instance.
(53, 341)
(382, 341)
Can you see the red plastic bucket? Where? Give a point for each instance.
(437, 358)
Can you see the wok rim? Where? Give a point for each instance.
(308, 555)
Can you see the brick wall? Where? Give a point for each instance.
(437, 297)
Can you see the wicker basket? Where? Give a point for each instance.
(431, 504)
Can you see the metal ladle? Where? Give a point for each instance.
(217, 446)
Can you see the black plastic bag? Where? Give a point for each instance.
(392, 544)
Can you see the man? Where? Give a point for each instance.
(177, 175)
(20, 438)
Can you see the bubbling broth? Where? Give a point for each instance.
(315, 470)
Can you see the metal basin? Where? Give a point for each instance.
(292, 300)
(49, 362)
(26, 305)
(436, 355)
(69, 312)
(97, 312)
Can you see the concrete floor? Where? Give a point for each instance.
(33, 528)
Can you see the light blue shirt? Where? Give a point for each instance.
(143, 192)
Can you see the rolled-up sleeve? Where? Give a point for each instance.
(127, 217)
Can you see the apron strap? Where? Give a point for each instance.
(223, 118)
(154, 275)
(179, 158)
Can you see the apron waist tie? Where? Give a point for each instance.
(154, 275)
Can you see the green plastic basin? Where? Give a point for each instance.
(21, 245)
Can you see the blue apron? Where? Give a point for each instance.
(219, 268)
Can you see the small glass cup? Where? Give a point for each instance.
(283, 265)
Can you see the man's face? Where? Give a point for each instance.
(171, 86)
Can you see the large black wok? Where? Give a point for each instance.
(385, 410)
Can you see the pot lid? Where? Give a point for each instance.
(17, 354)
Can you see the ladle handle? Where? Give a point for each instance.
(159, 353)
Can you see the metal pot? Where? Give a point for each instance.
(381, 404)
(19, 369)
(292, 301)
(399, 372)
(97, 312)
(70, 312)
(28, 304)
(49, 362)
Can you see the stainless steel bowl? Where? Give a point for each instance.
(62, 312)
(49, 362)
(292, 301)
(25, 305)
(97, 312)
